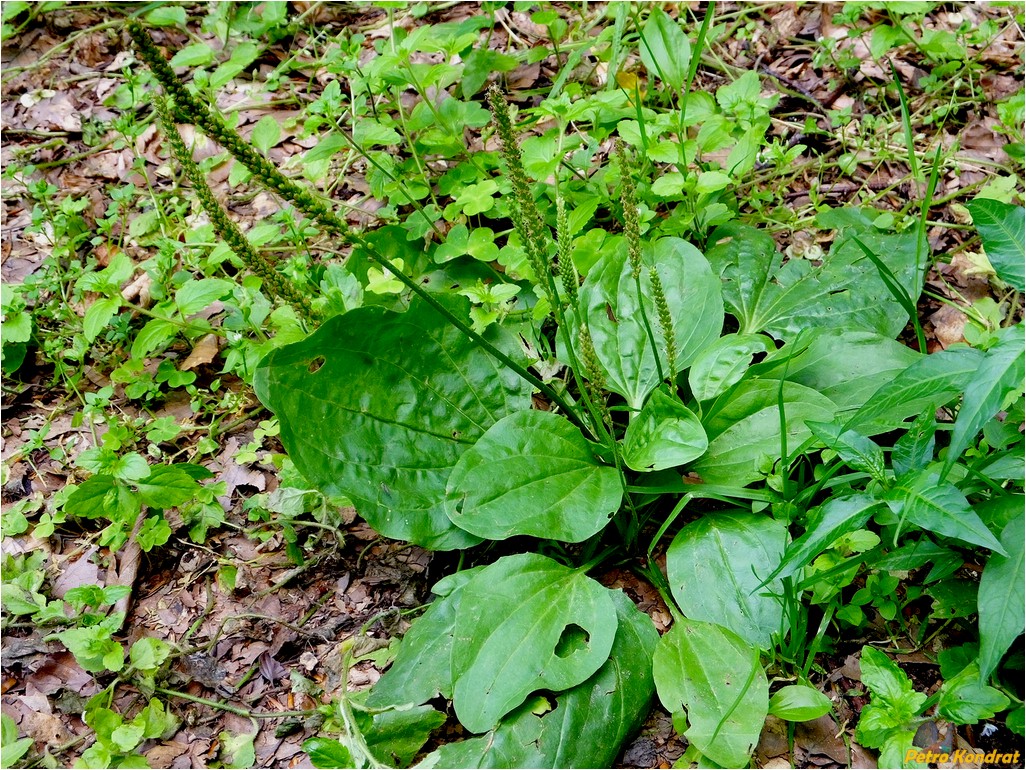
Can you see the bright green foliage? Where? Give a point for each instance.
(665, 434)
(715, 677)
(1001, 227)
(12, 748)
(1001, 599)
(798, 703)
(723, 363)
(888, 721)
(718, 567)
(393, 400)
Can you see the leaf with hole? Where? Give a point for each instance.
(715, 676)
(717, 567)
(532, 473)
(378, 406)
(609, 301)
(664, 434)
(525, 623)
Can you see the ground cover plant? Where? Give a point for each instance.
(655, 431)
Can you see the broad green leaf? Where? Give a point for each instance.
(98, 316)
(525, 623)
(148, 653)
(266, 133)
(744, 434)
(167, 16)
(152, 336)
(799, 703)
(167, 486)
(327, 753)
(396, 736)
(894, 704)
(378, 406)
(665, 50)
(155, 719)
(195, 55)
(590, 722)
(837, 516)
(845, 366)
(931, 381)
(716, 676)
(1002, 599)
(1000, 373)
(941, 508)
(126, 737)
(237, 750)
(609, 301)
(325, 148)
(965, 699)
(93, 648)
(766, 294)
(370, 133)
(724, 363)
(479, 64)
(859, 452)
(195, 296)
(716, 567)
(664, 434)
(421, 670)
(532, 473)
(1002, 230)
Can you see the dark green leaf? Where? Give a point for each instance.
(723, 363)
(837, 516)
(716, 567)
(664, 434)
(327, 753)
(1002, 230)
(717, 677)
(609, 301)
(532, 473)
(846, 292)
(525, 623)
(939, 507)
(167, 486)
(396, 736)
(914, 450)
(379, 406)
(1002, 597)
(1000, 373)
(858, 451)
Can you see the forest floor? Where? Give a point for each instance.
(261, 607)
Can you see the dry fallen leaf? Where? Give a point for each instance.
(203, 352)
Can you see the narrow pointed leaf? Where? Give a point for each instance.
(1002, 599)
(860, 452)
(1004, 238)
(836, 517)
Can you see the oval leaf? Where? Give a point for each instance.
(664, 435)
(379, 406)
(526, 623)
(532, 473)
(717, 566)
(609, 301)
(799, 703)
(716, 676)
(723, 364)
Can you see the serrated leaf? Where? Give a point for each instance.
(723, 363)
(152, 336)
(266, 133)
(532, 473)
(526, 623)
(166, 16)
(609, 302)
(664, 434)
(941, 508)
(716, 567)
(744, 434)
(1002, 598)
(1001, 371)
(768, 295)
(378, 407)
(799, 703)
(716, 676)
(1004, 238)
(894, 704)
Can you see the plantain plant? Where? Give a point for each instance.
(754, 448)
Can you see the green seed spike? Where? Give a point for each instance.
(567, 271)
